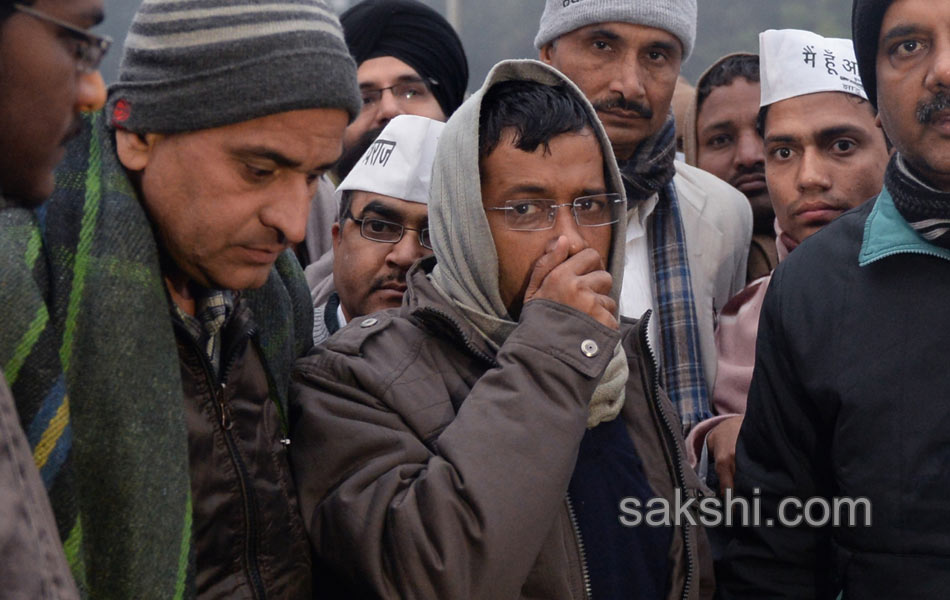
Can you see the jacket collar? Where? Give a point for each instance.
(886, 233)
(424, 301)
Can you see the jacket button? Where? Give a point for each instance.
(369, 322)
(590, 348)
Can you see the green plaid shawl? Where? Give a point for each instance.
(88, 348)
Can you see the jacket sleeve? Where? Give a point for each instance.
(778, 456)
(465, 513)
(33, 564)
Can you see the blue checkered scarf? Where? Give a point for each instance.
(649, 172)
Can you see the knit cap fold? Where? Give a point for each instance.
(678, 17)
(197, 64)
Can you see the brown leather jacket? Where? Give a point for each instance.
(248, 534)
(430, 466)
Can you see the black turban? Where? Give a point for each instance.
(866, 19)
(415, 34)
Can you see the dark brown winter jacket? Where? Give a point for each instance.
(430, 466)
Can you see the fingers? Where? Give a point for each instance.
(555, 254)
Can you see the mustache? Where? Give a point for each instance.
(756, 169)
(628, 105)
(926, 111)
(383, 280)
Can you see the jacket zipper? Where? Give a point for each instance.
(580, 547)
(460, 334)
(250, 522)
(680, 472)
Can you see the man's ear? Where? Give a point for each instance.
(135, 149)
(335, 234)
(546, 54)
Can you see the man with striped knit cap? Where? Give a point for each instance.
(176, 308)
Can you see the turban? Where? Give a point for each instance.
(415, 34)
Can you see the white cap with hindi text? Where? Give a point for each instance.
(399, 163)
(793, 62)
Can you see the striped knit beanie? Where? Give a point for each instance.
(197, 64)
(678, 17)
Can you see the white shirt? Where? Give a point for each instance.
(637, 293)
(339, 316)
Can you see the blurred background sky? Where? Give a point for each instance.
(492, 30)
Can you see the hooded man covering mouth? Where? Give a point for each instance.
(460, 445)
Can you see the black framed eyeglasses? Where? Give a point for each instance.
(409, 92)
(537, 214)
(90, 48)
(387, 232)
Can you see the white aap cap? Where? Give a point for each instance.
(794, 63)
(399, 162)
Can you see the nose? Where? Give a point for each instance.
(937, 78)
(812, 176)
(565, 224)
(406, 251)
(750, 151)
(389, 107)
(627, 79)
(91, 92)
(286, 211)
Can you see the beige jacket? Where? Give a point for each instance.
(717, 222)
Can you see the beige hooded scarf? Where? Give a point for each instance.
(467, 264)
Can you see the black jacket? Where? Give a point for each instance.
(849, 399)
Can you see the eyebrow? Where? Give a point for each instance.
(383, 210)
(527, 188)
(277, 158)
(719, 126)
(900, 31)
(781, 139)
(603, 32)
(401, 79)
(668, 46)
(833, 132)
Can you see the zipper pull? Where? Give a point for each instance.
(226, 421)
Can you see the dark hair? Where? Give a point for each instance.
(725, 72)
(346, 163)
(6, 8)
(535, 112)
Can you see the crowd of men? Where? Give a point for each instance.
(288, 315)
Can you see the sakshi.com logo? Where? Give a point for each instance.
(739, 511)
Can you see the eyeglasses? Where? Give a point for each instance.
(537, 214)
(413, 91)
(387, 232)
(90, 48)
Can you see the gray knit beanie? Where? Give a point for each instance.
(675, 16)
(208, 63)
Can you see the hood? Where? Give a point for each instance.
(467, 264)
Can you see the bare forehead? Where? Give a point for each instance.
(739, 97)
(810, 116)
(630, 33)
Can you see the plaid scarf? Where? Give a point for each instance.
(649, 172)
(212, 310)
(88, 348)
(925, 209)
